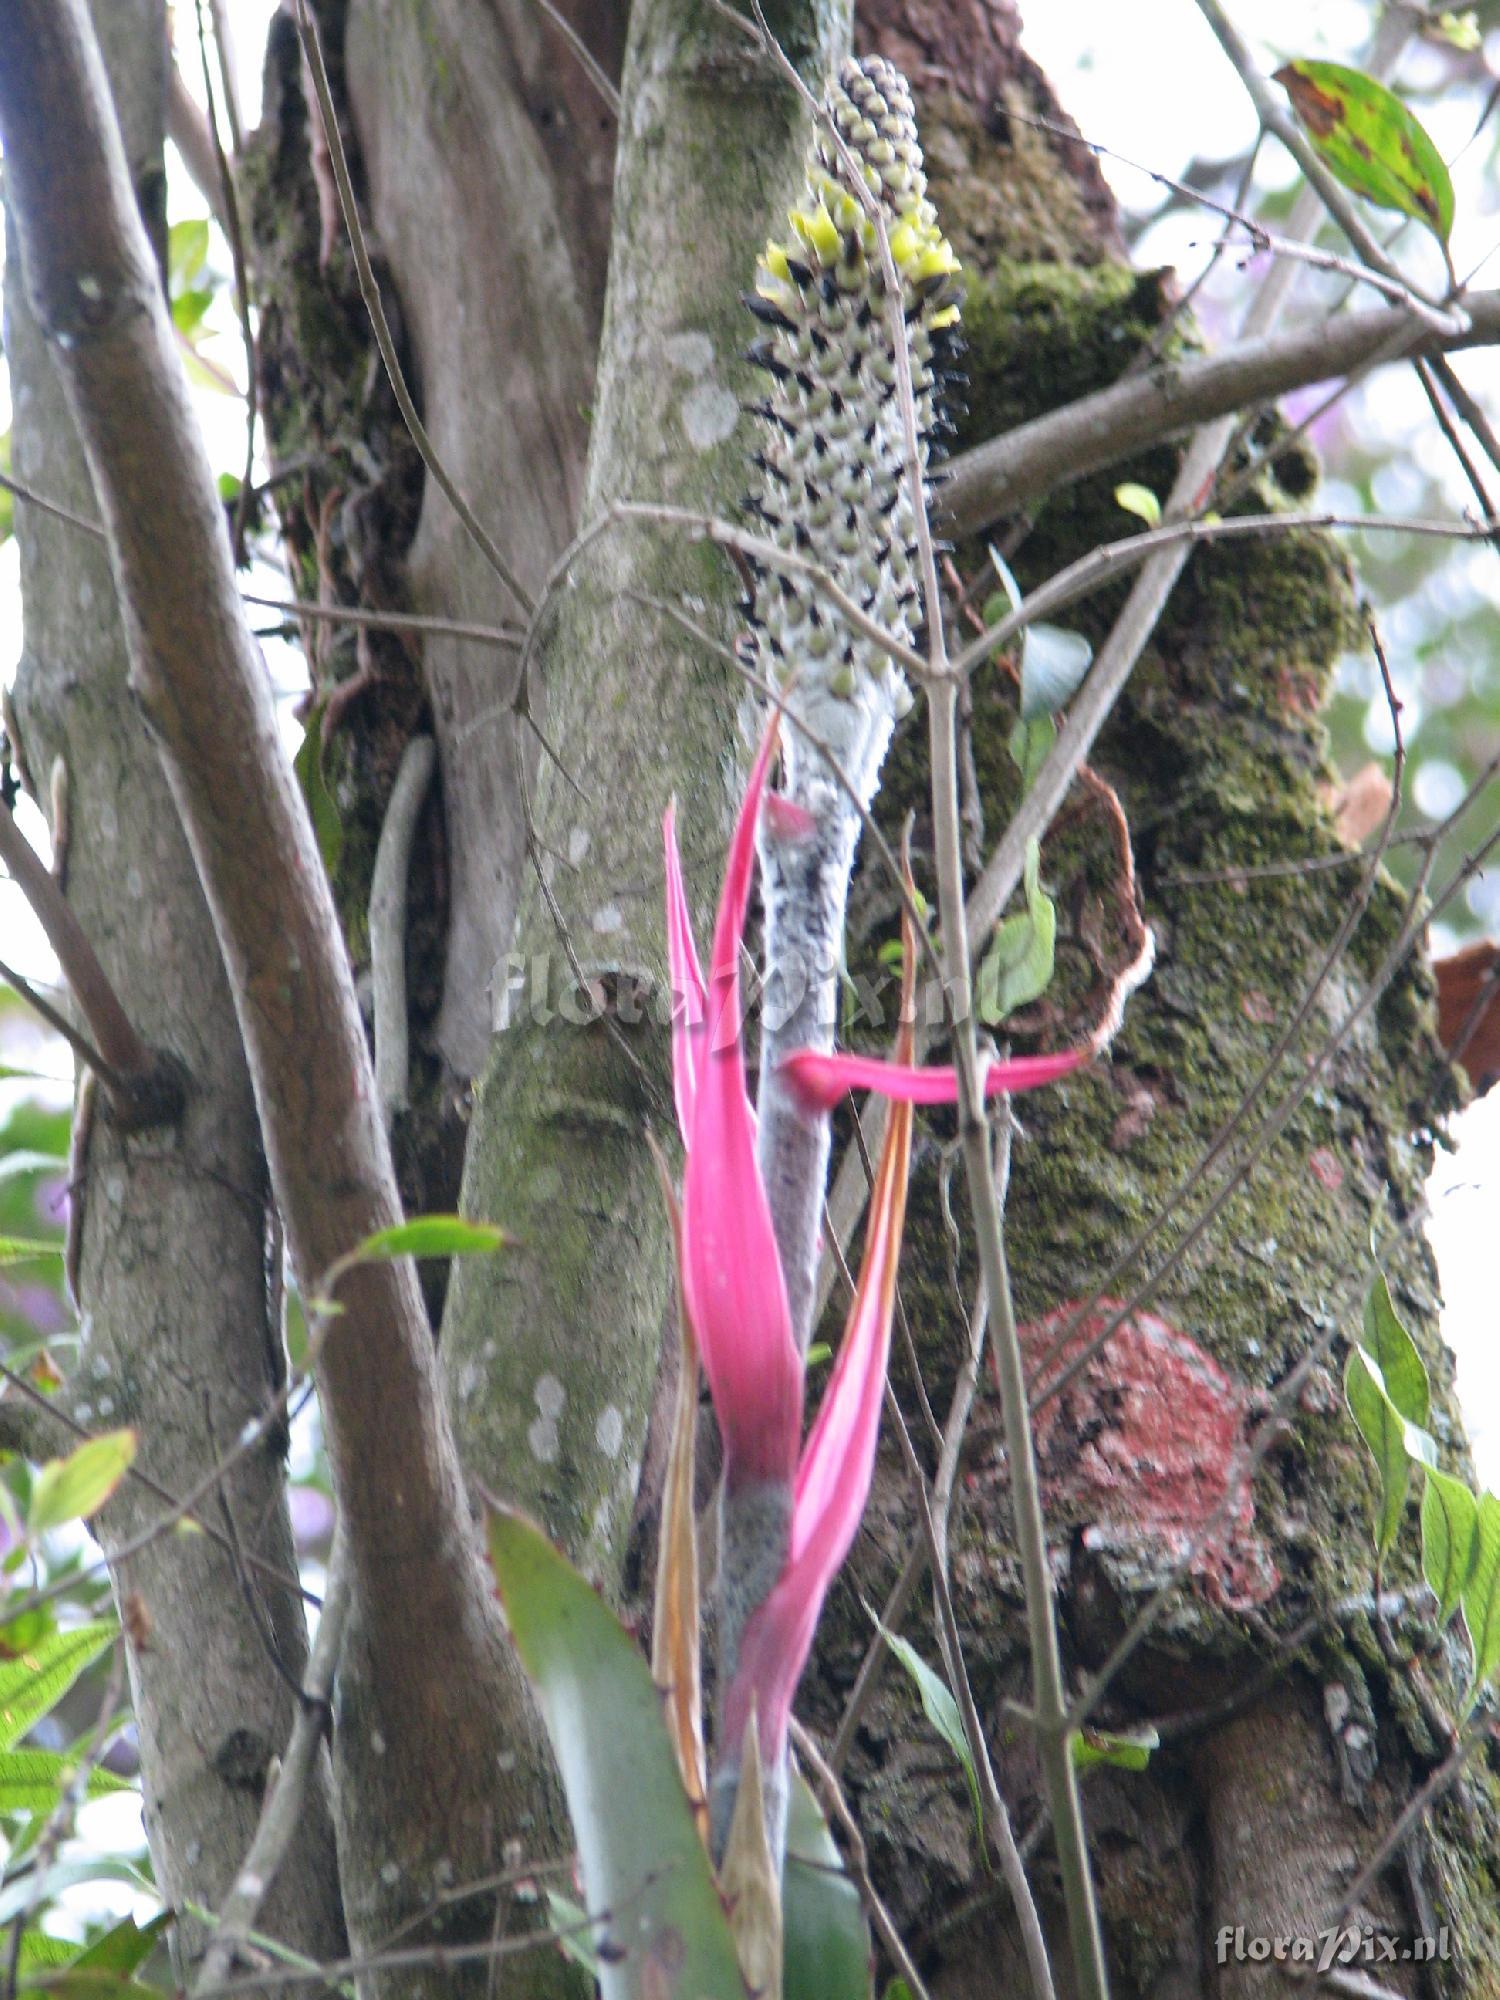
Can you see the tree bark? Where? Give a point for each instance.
(177, 1276)
(431, 1721)
(1269, 1787)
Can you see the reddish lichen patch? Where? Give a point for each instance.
(1326, 1169)
(1257, 1007)
(1147, 1443)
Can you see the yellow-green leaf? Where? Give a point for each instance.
(1139, 500)
(73, 1488)
(1369, 140)
(432, 1236)
(32, 1781)
(32, 1684)
(1450, 1515)
(1482, 1594)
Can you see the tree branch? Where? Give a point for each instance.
(130, 1073)
(1034, 459)
(414, 1564)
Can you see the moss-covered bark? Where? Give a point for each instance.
(1218, 757)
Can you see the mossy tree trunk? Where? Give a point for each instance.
(486, 170)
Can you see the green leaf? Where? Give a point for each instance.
(639, 1851)
(33, 1780)
(26, 1249)
(1140, 501)
(941, 1711)
(1053, 660)
(33, 1684)
(1029, 743)
(38, 1949)
(1388, 1343)
(1128, 1750)
(1481, 1596)
(1450, 1515)
(1383, 1429)
(187, 249)
(432, 1236)
(73, 1488)
(1369, 140)
(575, 1937)
(1018, 965)
(125, 1947)
(826, 1940)
(322, 809)
(190, 308)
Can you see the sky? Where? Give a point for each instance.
(1147, 81)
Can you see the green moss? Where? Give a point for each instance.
(1218, 755)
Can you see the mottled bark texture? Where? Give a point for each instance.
(175, 1272)
(430, 1724)
(550, 1354)
(1262, 1816)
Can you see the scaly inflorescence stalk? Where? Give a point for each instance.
(834, 488)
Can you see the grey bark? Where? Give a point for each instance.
(550, 1354)
(488, 155)
(424, 1738)
(176, 1291)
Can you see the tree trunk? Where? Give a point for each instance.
(178, 1263)
(482, 163)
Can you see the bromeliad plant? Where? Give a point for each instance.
(669, 1839)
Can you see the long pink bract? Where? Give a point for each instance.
(820, 1081)
(732, 1278)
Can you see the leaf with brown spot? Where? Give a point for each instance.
(1369, 140)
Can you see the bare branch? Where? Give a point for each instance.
(1015, 471)
(287, 1796)
(388, 922)
(413, 1561)
(134, 1077)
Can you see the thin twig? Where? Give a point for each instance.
(282, 1812)
(509, 636)
(593, 69)
(1223, 1138)
(51, 1409)
(126, 1060)
(388, 923)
